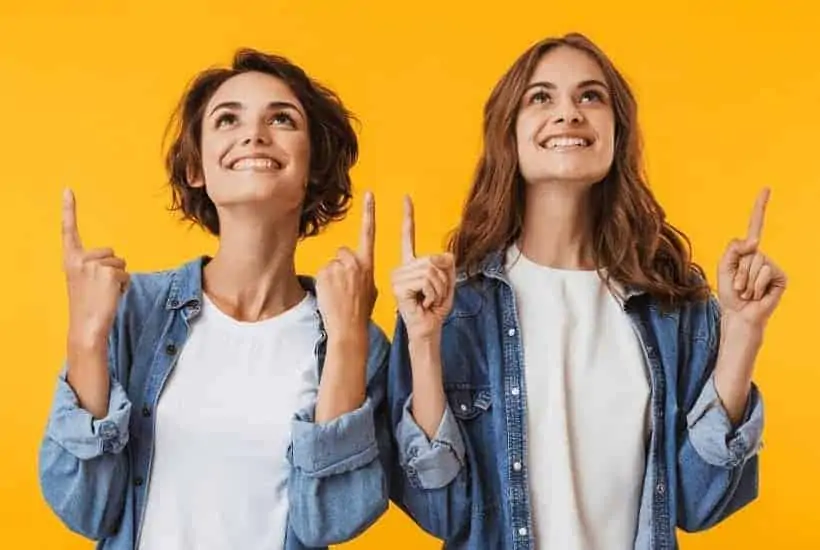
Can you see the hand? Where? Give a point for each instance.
(750, 285)
(345, 288)
(423, 287)
(95, 280)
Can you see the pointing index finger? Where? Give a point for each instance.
(758, 214)
(408, 232)
(71, 235)
(368, 234)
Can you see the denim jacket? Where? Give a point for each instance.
(95, 473)
(469, 484)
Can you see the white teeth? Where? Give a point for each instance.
(561, 141)
(255, 164)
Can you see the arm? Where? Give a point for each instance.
(338, 487)
(717, 458)
(717, 455)
(82, 469)
(430, 479)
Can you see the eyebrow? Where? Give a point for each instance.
(272, 106)
(551, 86)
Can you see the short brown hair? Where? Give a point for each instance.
(333, 143)
(632, 239)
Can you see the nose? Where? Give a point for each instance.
(257, 135)
(568, 113)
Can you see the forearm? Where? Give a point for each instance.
(342, 388)
(88, 373)
(428, 389)
(739, 346)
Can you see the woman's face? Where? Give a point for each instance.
(255, 145)
(565, 130)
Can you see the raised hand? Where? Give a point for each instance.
(95, 279)
(750, 284)
(423, 287)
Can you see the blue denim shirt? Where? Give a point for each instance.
(469, 485)
(95, 473)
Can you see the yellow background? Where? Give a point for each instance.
(730, 101)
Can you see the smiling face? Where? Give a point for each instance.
(565, 128)
(255, 145)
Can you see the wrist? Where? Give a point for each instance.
(352, 343)
(87, 341)
(426, 347)
(740, 331)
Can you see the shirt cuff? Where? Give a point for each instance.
(346, 443)
(711, 432)
(78, 432)
(430, 464)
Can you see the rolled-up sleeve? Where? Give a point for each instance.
(337, 486)
(711, 432)
(430, 464)
(78, 432)
(346, 443)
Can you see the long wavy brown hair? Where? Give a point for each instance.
(632, 241)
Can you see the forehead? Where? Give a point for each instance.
(565, 66)
(253, 89)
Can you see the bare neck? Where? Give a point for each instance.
(557, 230)
(253, 274)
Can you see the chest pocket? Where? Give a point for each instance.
(467, 403)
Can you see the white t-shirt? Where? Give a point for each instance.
(219, 473)
(587, 408)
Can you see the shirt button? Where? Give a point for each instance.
(517, 466)
(523, 531)
(511, 332)
(463, 407)
(514, 391)
(661, 488)
(138, 481)
(146, 412)
(170, 349)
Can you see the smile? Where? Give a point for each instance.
(565, 142)
(259, 164)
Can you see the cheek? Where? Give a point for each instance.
(525, 127)
(297, 147)
(212, 149)
(525, 131)
(607, 126)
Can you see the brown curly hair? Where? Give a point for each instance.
(632, 239)
(333, 143)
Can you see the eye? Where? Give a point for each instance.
(591, 96)
(225, 119)
(539, 97)
(282, 118)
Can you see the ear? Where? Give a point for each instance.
(194, 178)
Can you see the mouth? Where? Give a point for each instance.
(565, 143)
(259, 163)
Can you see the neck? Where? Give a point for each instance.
(557, 230)
(253, 274)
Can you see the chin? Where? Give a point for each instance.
(576, 178)
(257, 190)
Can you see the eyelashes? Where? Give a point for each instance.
(279, 118)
